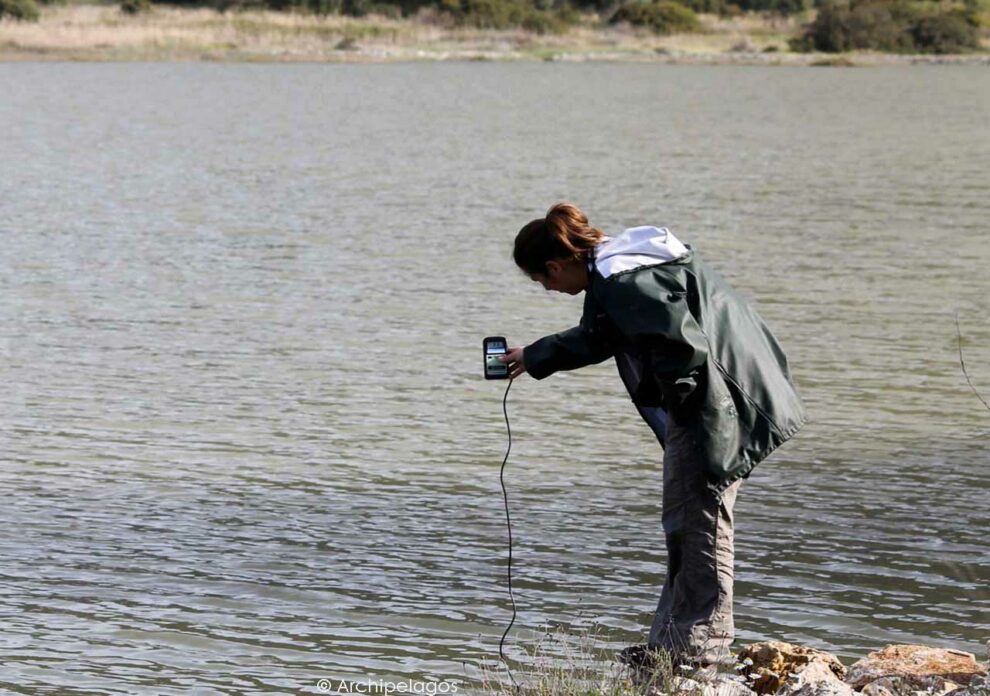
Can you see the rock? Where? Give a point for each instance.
(978, 687)
(770, 664)
(903, 669)
(677, 686)
(899, 686)
(815, 679)
(728, 686)
(720, 685)
(880, 687)
(685, 684)
(941, 687)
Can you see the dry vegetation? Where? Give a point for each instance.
(103, 32)
(560, 663)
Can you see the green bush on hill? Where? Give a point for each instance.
(600, 6)
(735, 7)
(24, 10)
(980, 10)
(947, 32)
(133, 7)
(844, 26)
(902, 26)
(551, 21)
(706, 6)
(357, 8)
(486, 14)
(662, 16)
(505, 14)
(784, 7)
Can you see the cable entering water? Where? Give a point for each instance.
(508, 524)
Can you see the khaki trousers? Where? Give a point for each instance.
(693, 619)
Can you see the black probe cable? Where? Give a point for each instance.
(508, 523)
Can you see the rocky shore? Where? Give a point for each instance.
(783, 669)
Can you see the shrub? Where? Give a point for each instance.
(841, 26)
(486, 14)
(547, 22)
(708, 6)
(979, 12)
(784, 7)
(949, 32)
(504, 14)
(411, 7)
(23, 10)
(133, 7)
(354, 8)
(735, 8)
(726, 8)
(663, 17)
(882, 26)
(888, 25)
(322, 7)
(601, 6)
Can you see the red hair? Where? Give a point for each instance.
(564, 233)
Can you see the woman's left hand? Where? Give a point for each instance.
(514, 359)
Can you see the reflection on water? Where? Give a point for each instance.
(247, 442)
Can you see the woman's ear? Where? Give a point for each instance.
(553, 269)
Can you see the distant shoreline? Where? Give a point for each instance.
(102, 33)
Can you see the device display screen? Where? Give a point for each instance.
(495, 368)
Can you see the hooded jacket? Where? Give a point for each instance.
(690, 351)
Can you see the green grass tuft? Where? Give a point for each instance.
(563, 664)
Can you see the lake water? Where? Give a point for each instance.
(246, 444)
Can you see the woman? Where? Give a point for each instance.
(705, 373)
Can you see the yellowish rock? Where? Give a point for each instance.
(773, 662)
(903, 669)
(815, 679)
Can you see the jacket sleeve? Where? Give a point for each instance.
(576, 347)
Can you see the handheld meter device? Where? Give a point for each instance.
(495, 347)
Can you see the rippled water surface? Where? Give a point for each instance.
(245, 441)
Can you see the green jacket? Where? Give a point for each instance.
(703, 355)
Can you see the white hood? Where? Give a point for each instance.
(637, 246)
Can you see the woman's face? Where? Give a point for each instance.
(564, 275)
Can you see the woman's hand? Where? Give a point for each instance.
(514, 359)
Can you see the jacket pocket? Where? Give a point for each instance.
(684, 396)
(720, 431)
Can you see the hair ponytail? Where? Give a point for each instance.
(564, 233)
